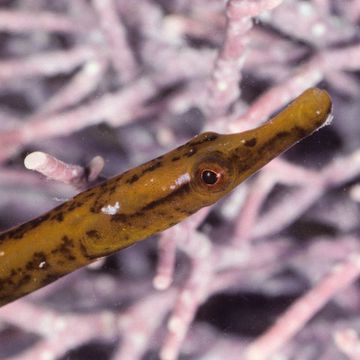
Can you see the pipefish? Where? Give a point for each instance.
(147, 199)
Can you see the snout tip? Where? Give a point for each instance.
(312, 109)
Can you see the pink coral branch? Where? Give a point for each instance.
(117, 108)
(58, 170)
(224, 86)
(53, 168)
(311, 22)
(166, 262)
(47, 64)
(22, 21)
(251, 207)
(191, 295)
(61, 333)
(347, 340)
(82, 84)
(279, 95)
(114, 31)
(56, 80)
(303, 309)
(283, 214)
(139, 322)
(305, 76)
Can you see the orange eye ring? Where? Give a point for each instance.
(212, 174)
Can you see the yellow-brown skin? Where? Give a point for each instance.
(147, 199)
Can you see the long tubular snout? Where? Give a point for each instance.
(254, 148)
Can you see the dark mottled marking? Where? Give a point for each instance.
(67, 241)
(180, 191)
(176, 158)
(270, 143)
(14, 285)
(205, 138)
(24, 280)
(121, 218)
(7, 281)
(97, 206)
(19, 231)
(133, 179)
(126, 218)
(74, 205)
(300, 131)
(49, 278)
(6, 299)
(212, 136)
(93, 234)
(112, 189)
(38, 258)
(190, 153)
(281, 135)
(155, 164)
(65, 248)
(84, 251)
(251, 142)
(151, 168)
(59, 217)
(89, 194)
(243, 165)
(85, 254)
(13, 272)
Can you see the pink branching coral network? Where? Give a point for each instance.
(269, 272)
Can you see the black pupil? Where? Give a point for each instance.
(209, 177)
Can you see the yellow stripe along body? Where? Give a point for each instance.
(147, 199)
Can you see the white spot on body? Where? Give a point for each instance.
(42, 264)
(183, 179)
(111, 209)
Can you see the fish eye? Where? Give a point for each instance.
(212, 174)
(210, 177)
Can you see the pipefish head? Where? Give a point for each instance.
(216, 163)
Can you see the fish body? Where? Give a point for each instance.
(147, 199)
